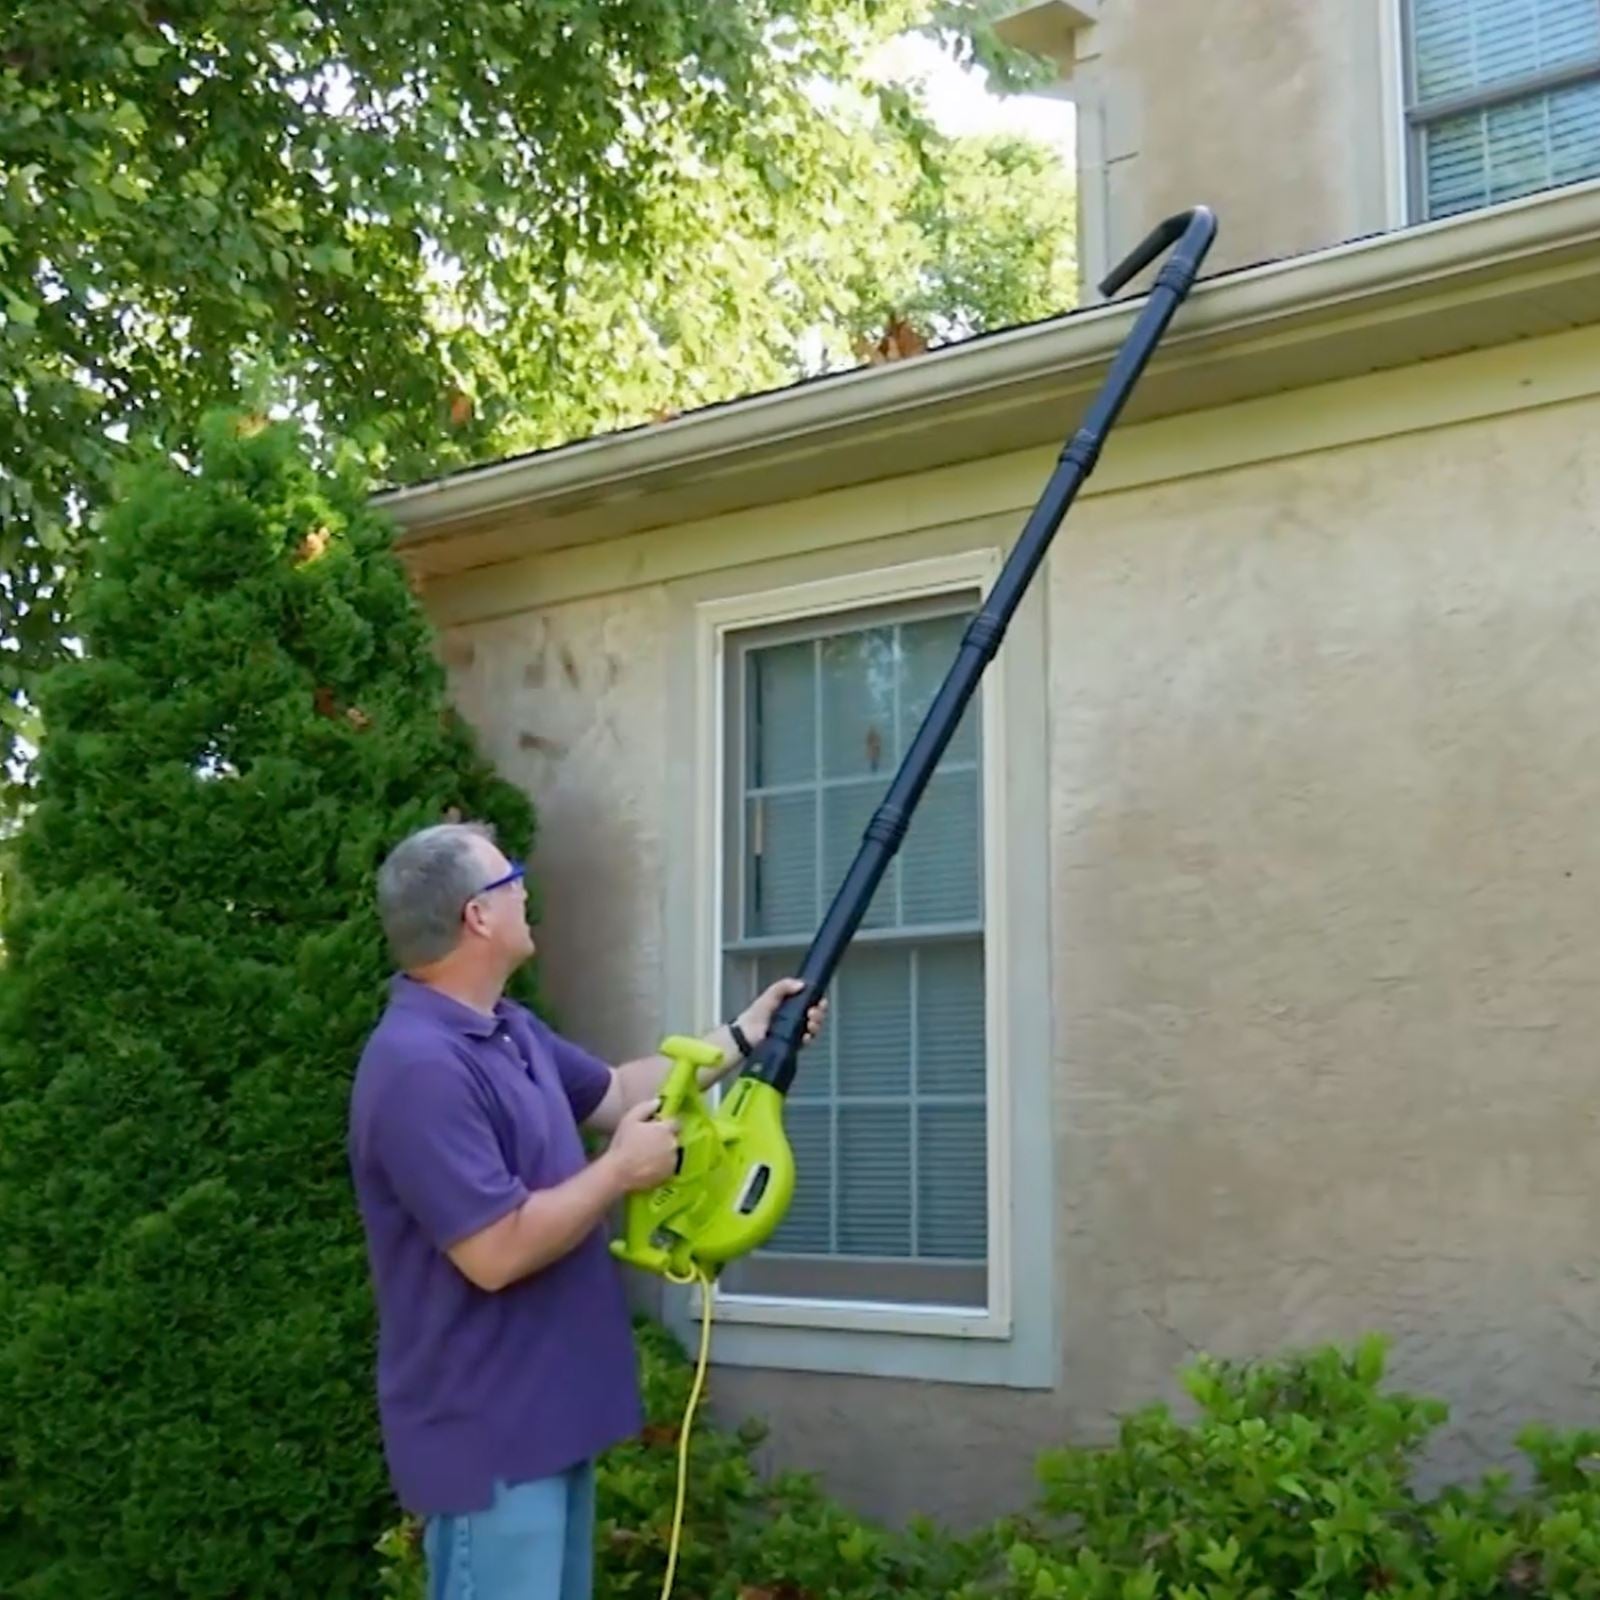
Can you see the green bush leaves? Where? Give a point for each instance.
(1292, 1480)
(192, 965)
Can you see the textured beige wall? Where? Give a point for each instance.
(1325, 770)
(1270, 111)
(570, 703)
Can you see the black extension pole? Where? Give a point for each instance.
(774, 1060)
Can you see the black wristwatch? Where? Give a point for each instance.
(740, 1043)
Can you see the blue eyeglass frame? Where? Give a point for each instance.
(517, 870)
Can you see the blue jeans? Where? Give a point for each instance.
(536, 1542)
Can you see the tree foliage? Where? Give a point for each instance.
(443, 232)
(194, 961)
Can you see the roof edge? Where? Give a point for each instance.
(1229, 309)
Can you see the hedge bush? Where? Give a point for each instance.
(192, 963)
(1294, 1477)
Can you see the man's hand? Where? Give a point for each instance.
(643, 1152)
(756, 1020)
(636, 1083)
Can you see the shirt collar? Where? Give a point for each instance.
(422, 998)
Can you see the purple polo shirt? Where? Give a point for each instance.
(454, 1118)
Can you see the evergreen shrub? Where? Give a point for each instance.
(192, 962)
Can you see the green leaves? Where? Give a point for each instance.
(505, 205)
(331, 258)
(1297, 1478)
(1169, 1512)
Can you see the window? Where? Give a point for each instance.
(922, 1120)
(888, 1113)
(1503, 99)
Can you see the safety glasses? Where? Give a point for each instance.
(512, 876)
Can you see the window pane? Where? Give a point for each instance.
(1442, 43)
(1574, 118)
(940, 859)
(1455, 162)
(806, 1228)
(1504, 152)
(950, 1019)
(860, 682)
(1519, 156)
(783, 716)
(874, 1021)
(874, 1181)
(930, 649)
(952, 1183)
(1568, 32)
(1465, 45)
(781, 876)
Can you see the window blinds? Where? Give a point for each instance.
(887, 1116)
(1528, 133)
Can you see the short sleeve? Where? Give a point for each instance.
(585, 1078)
(437, 1147)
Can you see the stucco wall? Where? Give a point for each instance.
(570, 703)
(1325, 778)
(1273, 112)
(1325, 774)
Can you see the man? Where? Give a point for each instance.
(505, 1351)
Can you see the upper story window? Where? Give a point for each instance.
(1503, 99)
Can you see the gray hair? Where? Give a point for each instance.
(423, 885)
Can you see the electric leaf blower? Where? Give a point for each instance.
(736, 1171)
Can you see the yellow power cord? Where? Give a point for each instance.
(688, 1420)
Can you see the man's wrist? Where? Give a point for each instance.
(727, 1040)
(608, 1168)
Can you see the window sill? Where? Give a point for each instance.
(932, 1345)
(925, 1321)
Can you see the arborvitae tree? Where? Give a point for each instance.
(192, 962)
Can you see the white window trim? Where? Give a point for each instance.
(996, 1345)
(1401, 203)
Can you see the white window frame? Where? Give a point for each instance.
(1414, 119)
(994, 1345)
(827, 603)
(1394, 23)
